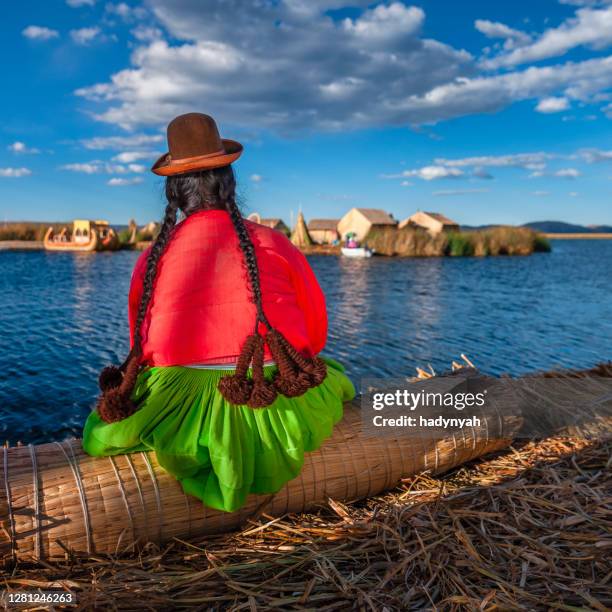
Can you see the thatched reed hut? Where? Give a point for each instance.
(433, 222)
(323, 231)
(359, 221)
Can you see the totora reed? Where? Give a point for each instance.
(528, 527)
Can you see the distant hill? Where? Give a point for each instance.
(559, 227)
(552, 227)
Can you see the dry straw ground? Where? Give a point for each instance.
(528, 528)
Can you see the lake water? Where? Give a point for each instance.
(63, 317)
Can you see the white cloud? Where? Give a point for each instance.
(256, 178)
(573, 194)
(124, 11)
(458, 192)
(122, 182)
(495, 29)
(552, 105)
(78, 3)
(586, 2)
(589, 27)
(540, 194)
(356, 72)
(406, 184)
(386, 24)
(147, 33)
(432, 173)
(87, 168)
(34, 32)
(14, 172)
(131, 156)
(97, 167)
(84, 36)
(531, 161)
(21, 147)
(592, 156)
(373, 70)
(101, 143)
(570, 173)
(481, 173)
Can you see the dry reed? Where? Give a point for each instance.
(528, 528)
(27, 230)
(416, 242)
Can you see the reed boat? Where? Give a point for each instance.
(85, 236)
(57, 500)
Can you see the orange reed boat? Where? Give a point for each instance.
(85, 236)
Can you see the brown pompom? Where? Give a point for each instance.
(236, 391)
(115, 403)
(110, 378)
(296, 374)
(318, 370)
(114, 406)
(294, 386)
(263, 393)
(236, 388)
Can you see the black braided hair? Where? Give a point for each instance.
(190, 193)
(117, 383)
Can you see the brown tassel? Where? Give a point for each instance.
(315, 367)
(113, 406)
(296, 374)
(115, 403)
(263, 393)
(236, 388)
(110, 378)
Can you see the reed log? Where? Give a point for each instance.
(56, 500)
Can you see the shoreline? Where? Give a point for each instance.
(323, 249)
(21, 245)
(602, 236)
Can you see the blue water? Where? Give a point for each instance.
(64, 316)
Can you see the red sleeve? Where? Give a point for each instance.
(310, 299)
(136, 291)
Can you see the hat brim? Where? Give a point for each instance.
(166, 166)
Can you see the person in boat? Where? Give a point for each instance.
(224, 379)
(351, 243)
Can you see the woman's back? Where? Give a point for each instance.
(202, 308)
(221, 291)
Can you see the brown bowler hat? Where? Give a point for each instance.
(195, 144)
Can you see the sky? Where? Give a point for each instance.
(489, 112)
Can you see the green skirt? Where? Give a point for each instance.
(217, 451)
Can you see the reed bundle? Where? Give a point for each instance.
(55, 499)
(527, 528)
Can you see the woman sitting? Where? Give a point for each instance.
(224, 380)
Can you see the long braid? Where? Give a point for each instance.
(296, 374)
(117, 383)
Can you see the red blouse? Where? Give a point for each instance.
(201, 309)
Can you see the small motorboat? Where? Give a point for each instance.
(356, 252)
(353, 248)
(85, 236)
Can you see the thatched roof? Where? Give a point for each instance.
(441, 218)
(323, 224)
(300, 236)
(377, 216)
